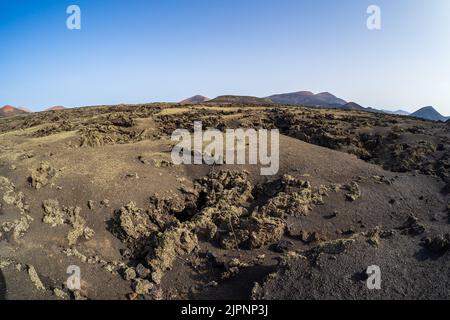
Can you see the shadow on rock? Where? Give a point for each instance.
(2, 286)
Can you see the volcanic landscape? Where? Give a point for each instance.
(95, 188)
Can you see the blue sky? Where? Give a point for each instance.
(142, 51)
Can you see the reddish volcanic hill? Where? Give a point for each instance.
(9, 111)
(8, 108)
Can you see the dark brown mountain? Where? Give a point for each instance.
(240, 99)
(195, 99)
(353, 106)
(429, 113)
(307, 98)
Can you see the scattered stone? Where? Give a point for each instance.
(78, 296)
(162, 164)
(88, 233)
(259, 259)
(53, 215)
(11, 197)
(157, 294)
(78, 224)
(41, 176)
(105, 203)
(26, 156)
(132, 176)
(73, 252)
(126, 254)
(235, 262)
(129, 274)
(382, 179)
(296, 198)
(142, 287)
(386, 234)
(170, 245)
(18, 227)
(257, 291)
(309, 237)
(144, 160)
(35, 278)
(354, 192)
(331, 247)
(134, 227)
(284, 259)
(439, 244)
(374, 237)
(412, 226)
(109, 267)
(233, 268)
(264, 230)
(132, 296)
(60, 294)
(230, 273)
(142, 271)
(4, 263)
(90, 205)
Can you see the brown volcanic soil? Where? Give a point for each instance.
(94, 187)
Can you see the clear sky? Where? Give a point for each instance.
(142, 51)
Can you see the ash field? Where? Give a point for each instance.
(95, 189)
